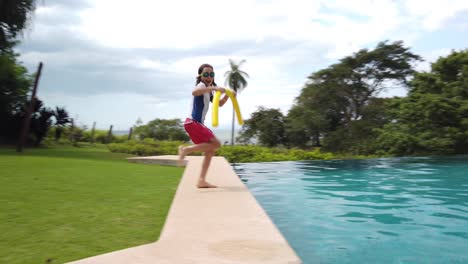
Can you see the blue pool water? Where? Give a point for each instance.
(399, 210)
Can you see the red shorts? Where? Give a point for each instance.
(198, 132)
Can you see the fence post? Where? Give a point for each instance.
(92, 132)
(72, 128)
(109, 134)
(130, 133)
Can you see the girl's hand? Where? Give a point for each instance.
(221, 89)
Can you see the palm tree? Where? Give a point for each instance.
(235, 78)
(61, 120)
(41, 124)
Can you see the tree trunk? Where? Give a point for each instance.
(29, 110)
(317, 138)
(58, 133)
(232, 128)
(109, 135)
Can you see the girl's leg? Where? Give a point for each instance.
(209, 149)
(213, 145)
(202, 183)
(202, 147)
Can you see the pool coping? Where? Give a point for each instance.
(221, 225)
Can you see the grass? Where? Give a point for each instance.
(63, 204)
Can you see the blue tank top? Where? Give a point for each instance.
(200, 105)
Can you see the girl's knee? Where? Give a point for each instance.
(210, 153)
(216, 144)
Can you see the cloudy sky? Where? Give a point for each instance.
(114, 61)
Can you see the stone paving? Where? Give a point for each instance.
(221, 225)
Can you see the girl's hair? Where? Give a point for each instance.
(200, 70)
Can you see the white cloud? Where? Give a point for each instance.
(433, 13)
(154, 48)
(182, 24)
(150, 64)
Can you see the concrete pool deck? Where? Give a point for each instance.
(220, 225)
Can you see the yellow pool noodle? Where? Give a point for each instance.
(214, 113)
(230, 93)
(235, 104)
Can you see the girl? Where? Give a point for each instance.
(203, 138)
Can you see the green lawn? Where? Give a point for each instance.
(64, 204)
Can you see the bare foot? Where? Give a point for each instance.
(181, 151)
(204, 184)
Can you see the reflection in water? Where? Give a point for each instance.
(408, 210)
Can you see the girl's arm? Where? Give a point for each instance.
(200, 91)
(224, 100)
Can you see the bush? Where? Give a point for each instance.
(146, 147)
(234, 154)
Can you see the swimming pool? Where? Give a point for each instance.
(395, 210)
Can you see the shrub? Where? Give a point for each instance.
(146, 147)
(234, 154)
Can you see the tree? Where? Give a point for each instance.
(162, 129)
(40, 122)
(236, 79)
(449, 76)
(334, 100)
(303, 125)
(316, 112)
(62, 119)
(425, 124)
(267, 125)
(14, 15)
(433, 118)
(15, 84)
(364, 75)
(14, 80)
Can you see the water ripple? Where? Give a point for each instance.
(392, 210)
